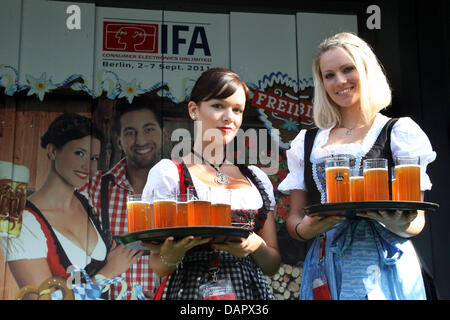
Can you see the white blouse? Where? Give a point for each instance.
(32, 244)
(407, 139)
(164, 177)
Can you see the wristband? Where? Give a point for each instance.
(298, 234)
(170, 264)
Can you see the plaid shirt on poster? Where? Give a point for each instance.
(140, 272)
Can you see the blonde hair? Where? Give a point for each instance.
(375, 89)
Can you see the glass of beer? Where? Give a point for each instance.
(407, 173)
(164, 209)
(376, 182)
(356, 184)
(199, 206)
(221, 207)
(394, 185)
(13, 195)
(181, 217)
(337, 173)
(139, 213)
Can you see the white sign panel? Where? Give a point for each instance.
(263, 52)
(10, 41)
(312, 29)
(51, 54)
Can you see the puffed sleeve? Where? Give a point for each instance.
(267, 184)
(408, 139)
(162, 177)
(295, 160)
(31, 243)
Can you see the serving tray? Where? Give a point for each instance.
(349, 209)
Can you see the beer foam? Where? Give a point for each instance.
(375, 169)
(356, 177)
(407, 165)
(6, 170)
(337, 168)
(21, 174)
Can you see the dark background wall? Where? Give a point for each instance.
(413, 45)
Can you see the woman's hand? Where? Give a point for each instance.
(394, 219)
(403, 223)
(312, 226)
(119, 259)
(172, 250)
(244, 248)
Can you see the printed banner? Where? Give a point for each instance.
(144, 50)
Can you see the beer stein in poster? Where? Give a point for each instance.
(164, 209)
(376, 182)
(139, 213)
(407, 173)
(337, 173)
(13, 192)
(199, 206)
(221, 207)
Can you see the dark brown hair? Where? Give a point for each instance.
(67, 127)
(217, 83)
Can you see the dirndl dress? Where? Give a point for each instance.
(247, 279)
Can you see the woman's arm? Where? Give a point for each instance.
(30, 272)
(264, 248)
(267, 256)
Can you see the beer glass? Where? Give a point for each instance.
(164, 209)
(139, 213)
(394, 185)
(13, 194)
(376, 182)
(356, 184)
(199, 206)
(407, 173)
(337, 172)
(181, 218)
(221, 207)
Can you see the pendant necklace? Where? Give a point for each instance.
(349, 130)
(221, 178)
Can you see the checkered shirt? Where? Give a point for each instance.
(140, 272)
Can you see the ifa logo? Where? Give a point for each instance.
(130, 37)
(143, 38)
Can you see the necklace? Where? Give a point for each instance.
(349, 130)
(221, 178)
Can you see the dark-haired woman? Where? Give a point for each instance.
(59, 227)
(216, 105)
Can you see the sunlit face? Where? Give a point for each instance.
(73, 160)
(340, 78)
(223, 115)
(140, 138)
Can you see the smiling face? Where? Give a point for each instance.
(340, 78)
(140, 138)
(222, 115)
(73, 160)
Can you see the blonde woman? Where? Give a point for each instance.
(370, 257)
